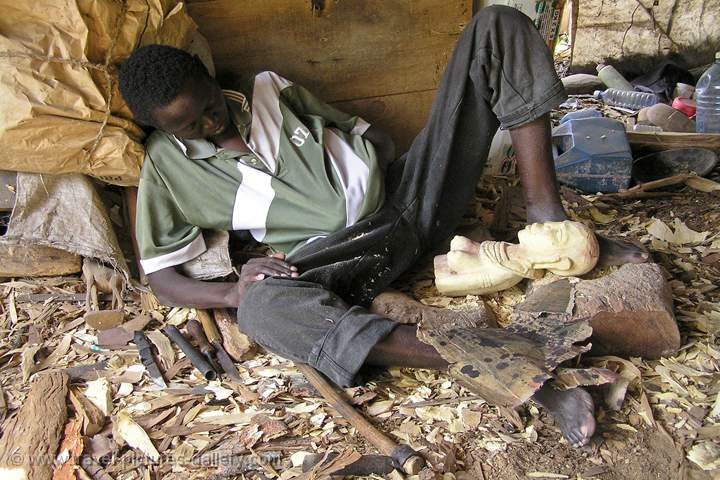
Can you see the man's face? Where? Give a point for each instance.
(199, 111)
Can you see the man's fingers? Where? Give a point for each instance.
(280, 263)
(270, 270)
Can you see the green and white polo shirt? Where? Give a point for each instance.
(310, 173)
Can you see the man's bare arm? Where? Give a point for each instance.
(175, 289)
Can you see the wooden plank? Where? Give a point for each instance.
(402, 115)
(30, 439)
(668, 140)
(349, 51)
(36, 261)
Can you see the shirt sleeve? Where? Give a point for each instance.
(165, 238)
(303, 102)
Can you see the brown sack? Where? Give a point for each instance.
(60, 107)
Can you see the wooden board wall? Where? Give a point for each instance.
(380, 59)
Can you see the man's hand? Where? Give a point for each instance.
(258, 269)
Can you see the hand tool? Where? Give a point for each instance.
(366, 465)
(147, 358)
(404, 458)
(215, 338)
(197, 358)
(195, 330)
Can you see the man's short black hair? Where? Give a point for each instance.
(154, 75)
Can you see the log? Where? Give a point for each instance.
(30, 440)
(630, 311)
(36, 261)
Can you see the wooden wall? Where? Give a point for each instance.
(380, 59)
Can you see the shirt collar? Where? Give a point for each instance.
(240, 115)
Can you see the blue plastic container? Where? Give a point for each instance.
(577, 115)
(592, 154)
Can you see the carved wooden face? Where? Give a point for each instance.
(566, 248)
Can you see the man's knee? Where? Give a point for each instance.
(500, 16)
(288, 316)
(264, 316)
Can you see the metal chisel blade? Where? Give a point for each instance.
(227, 363)
(147, 358)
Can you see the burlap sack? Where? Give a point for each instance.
(60, 108)
(65, 212)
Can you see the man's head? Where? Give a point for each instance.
(170, 89)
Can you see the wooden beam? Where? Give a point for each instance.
(36, 261)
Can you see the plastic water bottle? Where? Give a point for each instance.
(612, 78)
(707, 95)
(626, 99)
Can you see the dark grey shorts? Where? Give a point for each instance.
(500, 74)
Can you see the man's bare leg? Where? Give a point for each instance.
(532, 144)
(573, 410)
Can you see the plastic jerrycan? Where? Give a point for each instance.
(592, 153)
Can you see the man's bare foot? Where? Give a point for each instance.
(618, 252)
(573, 411)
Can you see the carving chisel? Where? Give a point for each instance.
(148, 359)
(197, 358)
(196, 333)
(213, 335)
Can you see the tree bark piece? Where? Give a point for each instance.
(36, 261)
(30, 440)
(236, 343)
(630, 311)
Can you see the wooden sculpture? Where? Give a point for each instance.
(564, 248)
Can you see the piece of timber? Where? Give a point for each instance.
(657, 141)
(30, 439)
(404, 457)
(36, 261)
(630, 311)
(236, 343)
(59, 297)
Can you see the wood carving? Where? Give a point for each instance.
(108, 280)
(563, 248)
